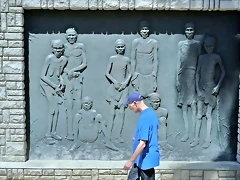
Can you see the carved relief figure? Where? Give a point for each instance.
(144, 61)
(52, 86)
(188, 53)
(88, 124)
(75, 52)
(207, 89)
(162, 114)
(118, 73)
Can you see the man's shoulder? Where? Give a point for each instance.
(149, 113)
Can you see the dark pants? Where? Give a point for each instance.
(135, 173)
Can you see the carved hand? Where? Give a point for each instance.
(122, 86)
(215, 91)
(58, 91)
(99, 118)
(154, 74)
(70, 75)
(117, 85)
(154, 88)
(162, 120)
(178, 86)
(76, 74)
(62, 87)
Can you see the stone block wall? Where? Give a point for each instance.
(116, 174)
(12, 104)
(12, 88)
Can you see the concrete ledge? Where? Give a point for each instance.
(81, 164)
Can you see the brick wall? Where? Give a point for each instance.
(116, 174)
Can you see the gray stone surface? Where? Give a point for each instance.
(11, 70)
(127, 4)
(167, 57)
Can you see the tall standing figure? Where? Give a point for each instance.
(144, 61)
(118, 73)
(75, 52)
(52, 86)
(207, 89)
(188, 54)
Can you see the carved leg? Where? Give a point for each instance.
(208, 140)
(69, 117)
(55, 121)
(194, 112)
(50, 118)
(186, 135)
(119, 124)
(198, 123)
(108, 143)
(165, 146)
(162, 135)
(111, 119)
(75, 135)
(49, 139)
(78, 99)
(76, 130)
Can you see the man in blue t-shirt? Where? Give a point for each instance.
(146, 154)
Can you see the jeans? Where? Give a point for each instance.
(135, 173)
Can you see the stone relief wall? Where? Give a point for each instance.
(84, 86)
(12, 123)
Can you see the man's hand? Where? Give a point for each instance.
(128, 165)
(178, 86)
(162, 120)
(70, 75)
(117, 85)
(215, 91)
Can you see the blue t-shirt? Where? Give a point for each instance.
(147, 130)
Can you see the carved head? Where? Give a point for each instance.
(87, 103)
(155, 100)
(144, 29)
(57, 48)
(71, 35)
(120, 46)
(189, 30)
(209, 44)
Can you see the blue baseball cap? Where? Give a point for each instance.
(135, 96)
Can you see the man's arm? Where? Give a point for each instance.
(138, 151)
(155, 58)
(143, 136)
(219, 62)
(128, 71)
(164, 115)
(107, 74)
(198, 73)
(44, 73)
(178, 63)
(133, 56)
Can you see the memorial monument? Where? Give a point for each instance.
(87, 77)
